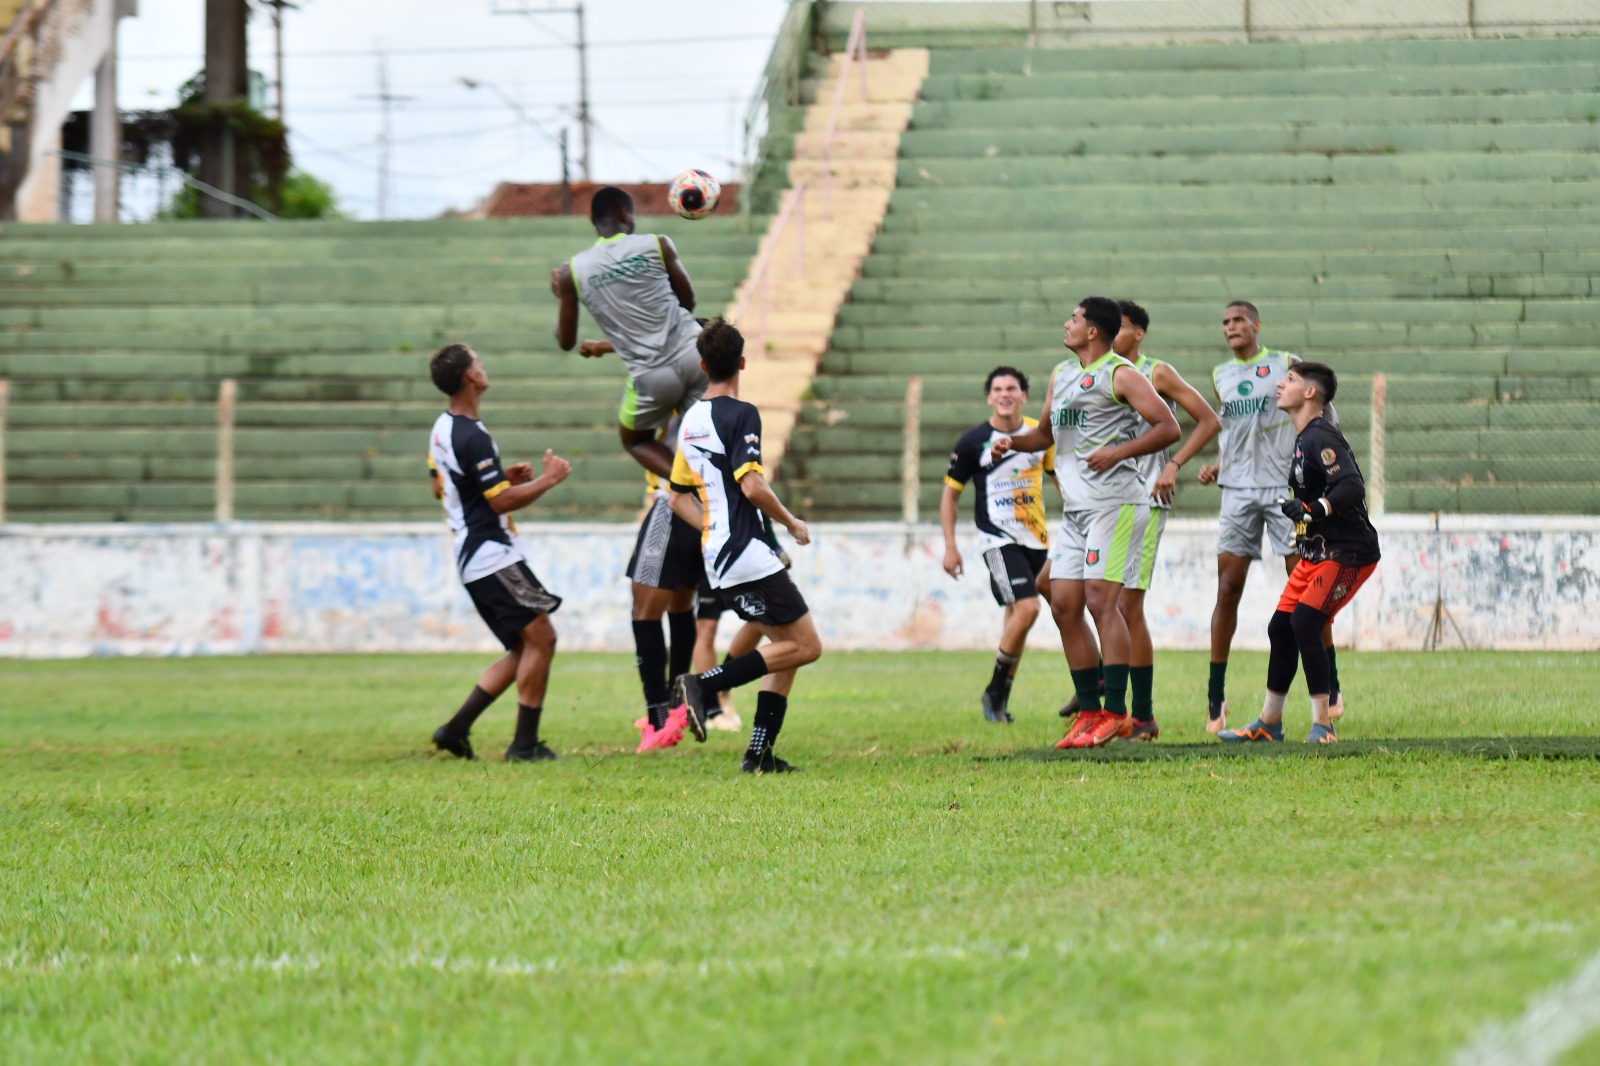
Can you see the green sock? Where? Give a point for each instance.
(1116, 687)
(1333, 675)
(1139, 682)
(1086, 683)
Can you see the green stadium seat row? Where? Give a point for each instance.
(710, 292)
(197, 273)
(1133, 115)
(1262, 288)
(1115, 199)
(1088, 86)
(1268, 55)
(265, 249)
(1217, 143)
(1207, 239)
(1184, 314)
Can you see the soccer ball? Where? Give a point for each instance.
(694, 194)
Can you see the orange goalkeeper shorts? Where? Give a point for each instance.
(1324, 587)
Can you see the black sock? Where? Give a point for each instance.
(650, 655)
(1333, 676)
(1100, 668)
(1140, 679)
(1116, 675)
(476, 703)
(1001, 681)
(680, 628)
(1215, 688)
(527, 726)
(1086, 683)
(770, 709)
(735, 672)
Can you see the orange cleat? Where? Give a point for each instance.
(1102, 732)
(1084, 720)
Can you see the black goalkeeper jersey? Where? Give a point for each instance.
(1325, 469)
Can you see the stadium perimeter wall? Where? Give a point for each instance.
(73, 591)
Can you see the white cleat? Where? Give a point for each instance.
(726, 722)
(1220, 722)
(1336, 709)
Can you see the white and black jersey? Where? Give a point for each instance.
(469, 461)
(719, 443)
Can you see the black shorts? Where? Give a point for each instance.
(1013, 571)
(667, 553)
(709, 605)
(508, 600)
(769, 601)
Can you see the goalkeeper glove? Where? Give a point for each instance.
(1299, 511)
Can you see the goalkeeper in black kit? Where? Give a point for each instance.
(1338, 551)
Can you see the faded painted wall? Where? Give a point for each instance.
(69, 591)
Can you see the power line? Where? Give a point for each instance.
(458, 108)
(485, 49)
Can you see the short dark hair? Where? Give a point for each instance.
(721, 346)
(1104, 314)
(608, 204)
(449, 367)
(1320, 376)
(1005, 372)
(1250, 309)
(1134, 313)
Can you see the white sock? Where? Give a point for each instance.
(1272, 707)
(1319, 710)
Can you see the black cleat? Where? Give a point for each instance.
(539, 752)
(1071, 708)
(766, 763)
(994, 707)
(458, 745)
(686, 693)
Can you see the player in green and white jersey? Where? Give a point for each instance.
(1102, 415)
(1256, 444)
(1159, 474)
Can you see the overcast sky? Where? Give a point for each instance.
(668, 87)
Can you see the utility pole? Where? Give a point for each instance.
(277, 33)
(585, 124)
(386, 99)
(528, 120)
(227, 75)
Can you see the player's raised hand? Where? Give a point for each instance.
(952, 563)
(999, 448)
(1208, 475)
(800, 532)
(519, 473)
(556, 468)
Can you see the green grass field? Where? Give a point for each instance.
(256, 860)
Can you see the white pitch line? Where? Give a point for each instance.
(1556, 1021)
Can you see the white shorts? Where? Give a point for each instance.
(1245, 513)
(1101, 545)
(653, 396)
(1146, 542)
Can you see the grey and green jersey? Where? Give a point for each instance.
(1150, 466)
(1085, 415)
(1257, 439)
(623, 283)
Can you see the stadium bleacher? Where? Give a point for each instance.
(114, 340)
(1421, 208)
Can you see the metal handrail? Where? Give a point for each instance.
(792, 211)
(193, 183)
(855, 51)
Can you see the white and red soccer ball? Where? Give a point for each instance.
(694, 194)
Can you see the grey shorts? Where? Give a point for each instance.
(1103, 545)
(1245, 514)
(652, 396)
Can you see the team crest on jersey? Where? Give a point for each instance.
(1092, 556)
(1245, 388)
(1263, 371)
(1087, 383)
(1328, 457)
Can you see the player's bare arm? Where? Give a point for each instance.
(594, 349)
(566, 293)
(1208, 473)
(677, 274)
(948, 504)
(1133, 389)
(1207, 425)
(686, 505)
(1034, 439)
(554, 471)
(757, 491)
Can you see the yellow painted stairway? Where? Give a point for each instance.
(787, 328)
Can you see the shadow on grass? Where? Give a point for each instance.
(1469, 747)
